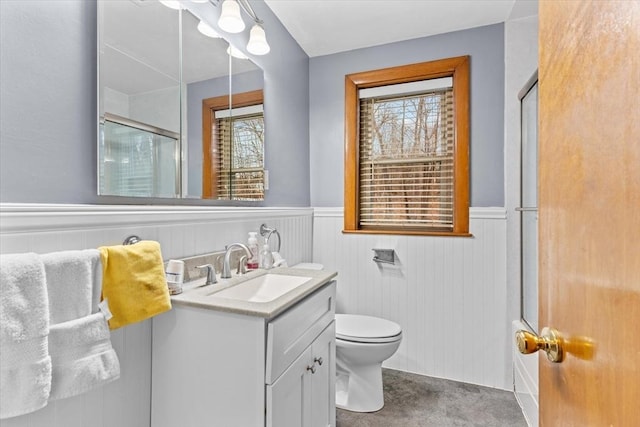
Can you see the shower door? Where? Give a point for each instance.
(137, 160)
(529, 203)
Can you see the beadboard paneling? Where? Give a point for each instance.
(525, 381)
(449, 294)
(182, 232)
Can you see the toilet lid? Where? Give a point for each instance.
(358, 328)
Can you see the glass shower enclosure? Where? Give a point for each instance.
(529, 203)
(137, 160)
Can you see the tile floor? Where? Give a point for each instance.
(418, 401)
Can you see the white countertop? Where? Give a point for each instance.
(205, 296)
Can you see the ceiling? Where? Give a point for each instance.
(324, 27)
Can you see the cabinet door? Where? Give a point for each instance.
(289, 397)
(323, 406)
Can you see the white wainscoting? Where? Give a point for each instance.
(449, 294)
(181, 231)
(525, 381)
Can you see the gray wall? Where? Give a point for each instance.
(48, 103)
(48, 106)
(486, 47)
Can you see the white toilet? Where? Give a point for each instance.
(362, 344)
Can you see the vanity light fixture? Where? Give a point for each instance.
(230, 19)
(258, 41)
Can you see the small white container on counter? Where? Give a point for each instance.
(175, 276)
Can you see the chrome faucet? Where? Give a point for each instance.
(211, 273)
(226, 269)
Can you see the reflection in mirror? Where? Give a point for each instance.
(155, 70)
(139, 100)
(136, 159)
(234, 147)
(205, 156)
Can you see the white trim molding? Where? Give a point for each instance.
(474, 212)
(15, 217)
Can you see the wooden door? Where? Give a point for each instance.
(589, 81)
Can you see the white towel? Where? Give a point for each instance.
(80, 340)
(278, 261)
(82, 356)
(25, 365)
(74, 279)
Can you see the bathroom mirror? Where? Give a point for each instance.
(154, 71)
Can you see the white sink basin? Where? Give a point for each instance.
(263, 288)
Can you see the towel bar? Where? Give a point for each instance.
(131, 240)
(267, 232)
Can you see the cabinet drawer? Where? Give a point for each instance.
(291, 333)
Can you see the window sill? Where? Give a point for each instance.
(410, 233)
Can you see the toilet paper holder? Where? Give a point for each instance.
(385, 256)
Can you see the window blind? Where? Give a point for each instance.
(406, 161)
(240, 154)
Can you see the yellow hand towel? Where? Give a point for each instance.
(133, 282)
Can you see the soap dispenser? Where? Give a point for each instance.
(266, 258)
(252, 263)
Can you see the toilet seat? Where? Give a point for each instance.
(366, 329)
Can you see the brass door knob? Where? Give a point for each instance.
(549, 340)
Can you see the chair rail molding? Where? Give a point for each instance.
(16, 217)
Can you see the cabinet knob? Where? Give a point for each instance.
(318, 360)
(312, 368)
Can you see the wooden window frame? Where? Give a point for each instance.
(210, 172)
(458, 69)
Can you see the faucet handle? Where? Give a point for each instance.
(242, 265)
(211, 273)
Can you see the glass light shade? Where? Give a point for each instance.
(236, 53)
(172, 4)
(206, 29)
(200, 1)
(258, 41)
(230, 19)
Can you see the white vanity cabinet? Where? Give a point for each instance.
(305, 392)
(215, 368)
